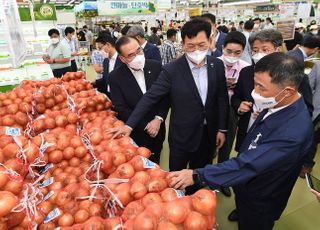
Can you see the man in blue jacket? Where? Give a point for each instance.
(271, 156)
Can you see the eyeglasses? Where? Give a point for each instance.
(263, 50)
(194, 47)
(134, 54)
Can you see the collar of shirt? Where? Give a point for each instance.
(274, 110)
(304, 53)
(193, 66)
(115, 56)
(144, 45)
(218, 35)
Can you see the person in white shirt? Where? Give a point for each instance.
(70, 41)
(247, 31)
(89, 36)
(268, 25)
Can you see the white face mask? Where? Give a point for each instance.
(230, 61)
(257, 57)
(197, 56)
(54, 40)
(138, 62)
(265, 102)
(314, 32)
(159, 33)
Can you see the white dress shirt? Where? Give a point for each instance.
(139, 76)
(71, 44)
(144, 45)
(112, 62)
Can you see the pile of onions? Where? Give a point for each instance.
(189, 212)
(69, 76)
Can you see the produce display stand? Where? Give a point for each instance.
(61, 169)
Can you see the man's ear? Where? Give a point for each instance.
(122, 59)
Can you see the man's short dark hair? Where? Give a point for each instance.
(235, 37)
(106, 39)
(248, 25)
(154, 30)
(125, 29)
(171, 33)
(124, 40)
(53, 31)
(209, 16)
(283, 69)
(223, 29)
(104, 33)
(85, 27)
(241, 22)
(191, 28)
(68, 30)
(271, 35)
(257, 19)
(311, 42)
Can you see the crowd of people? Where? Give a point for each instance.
(223, 85)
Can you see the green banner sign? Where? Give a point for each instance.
(114, 7)
(41, 12)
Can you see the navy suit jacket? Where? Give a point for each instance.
(152, 52)
(187, 110)
(270, 160)
(220, 41)
(298, 55)
(125, 93)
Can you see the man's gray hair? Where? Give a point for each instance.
(136, 31)
(271, 35)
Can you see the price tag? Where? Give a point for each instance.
(43, 148)
(52, 215)
(47, 182)
(48, 196)
(179, 193)
(45, 168)
(147, 164)
(12, 131)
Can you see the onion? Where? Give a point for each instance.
(61, 121)
(10, 150)
(169, 194)
(125, 171)
(74, 162)
(66, 220)
(80, 151)
(144, 152)
(81, 216)
(7, 202)
(3, 177)
(175, 212)
(145, 221)
(13, 186)
(55, 156)
(96, 138)
(68, 153)
(50, 123)
(151, 198)
(76, 142)
(166, 226)
(138, 190)
(142, 177)
(72, 118)
(12, 109)
(49, 103)
(195, 221)
(204, 202)
(71, 207)
(157, 185)
(21, 118)
(122, 192)
(118, 159)
(133, 209)
(8, 120)
(95, 210)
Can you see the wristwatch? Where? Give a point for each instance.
(159, 118)
(197, 179)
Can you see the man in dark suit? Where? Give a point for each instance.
(109, 64)
(217, 37)
(198, 94)
(128, 83)
(309, 47)
(150, 50)
(262, 43)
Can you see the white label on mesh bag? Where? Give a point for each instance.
(52, 215)
(12, 131)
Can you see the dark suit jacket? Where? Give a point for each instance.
(152, 52)
(126, 93)
(187, 111)
(298, 55)
(242, 92)
(102, 84)
(220, 41)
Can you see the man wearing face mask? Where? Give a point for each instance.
(58, 56)
(196, 86)
(262, 44)
(233, 47)
(150, 50)
(70, 41)
(128, 83)
(270, 159)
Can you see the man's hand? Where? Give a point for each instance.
(180, 179)
(317, 194)
(50, 61)
(221, 138)
(245, 106)
(153, 127)
(75, 54)
(212, 40)
(256, 114)
(120, 131)
(231, 83)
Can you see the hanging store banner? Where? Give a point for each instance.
(41, 12)
(163, 4)
(195, 12)
(118, 7)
